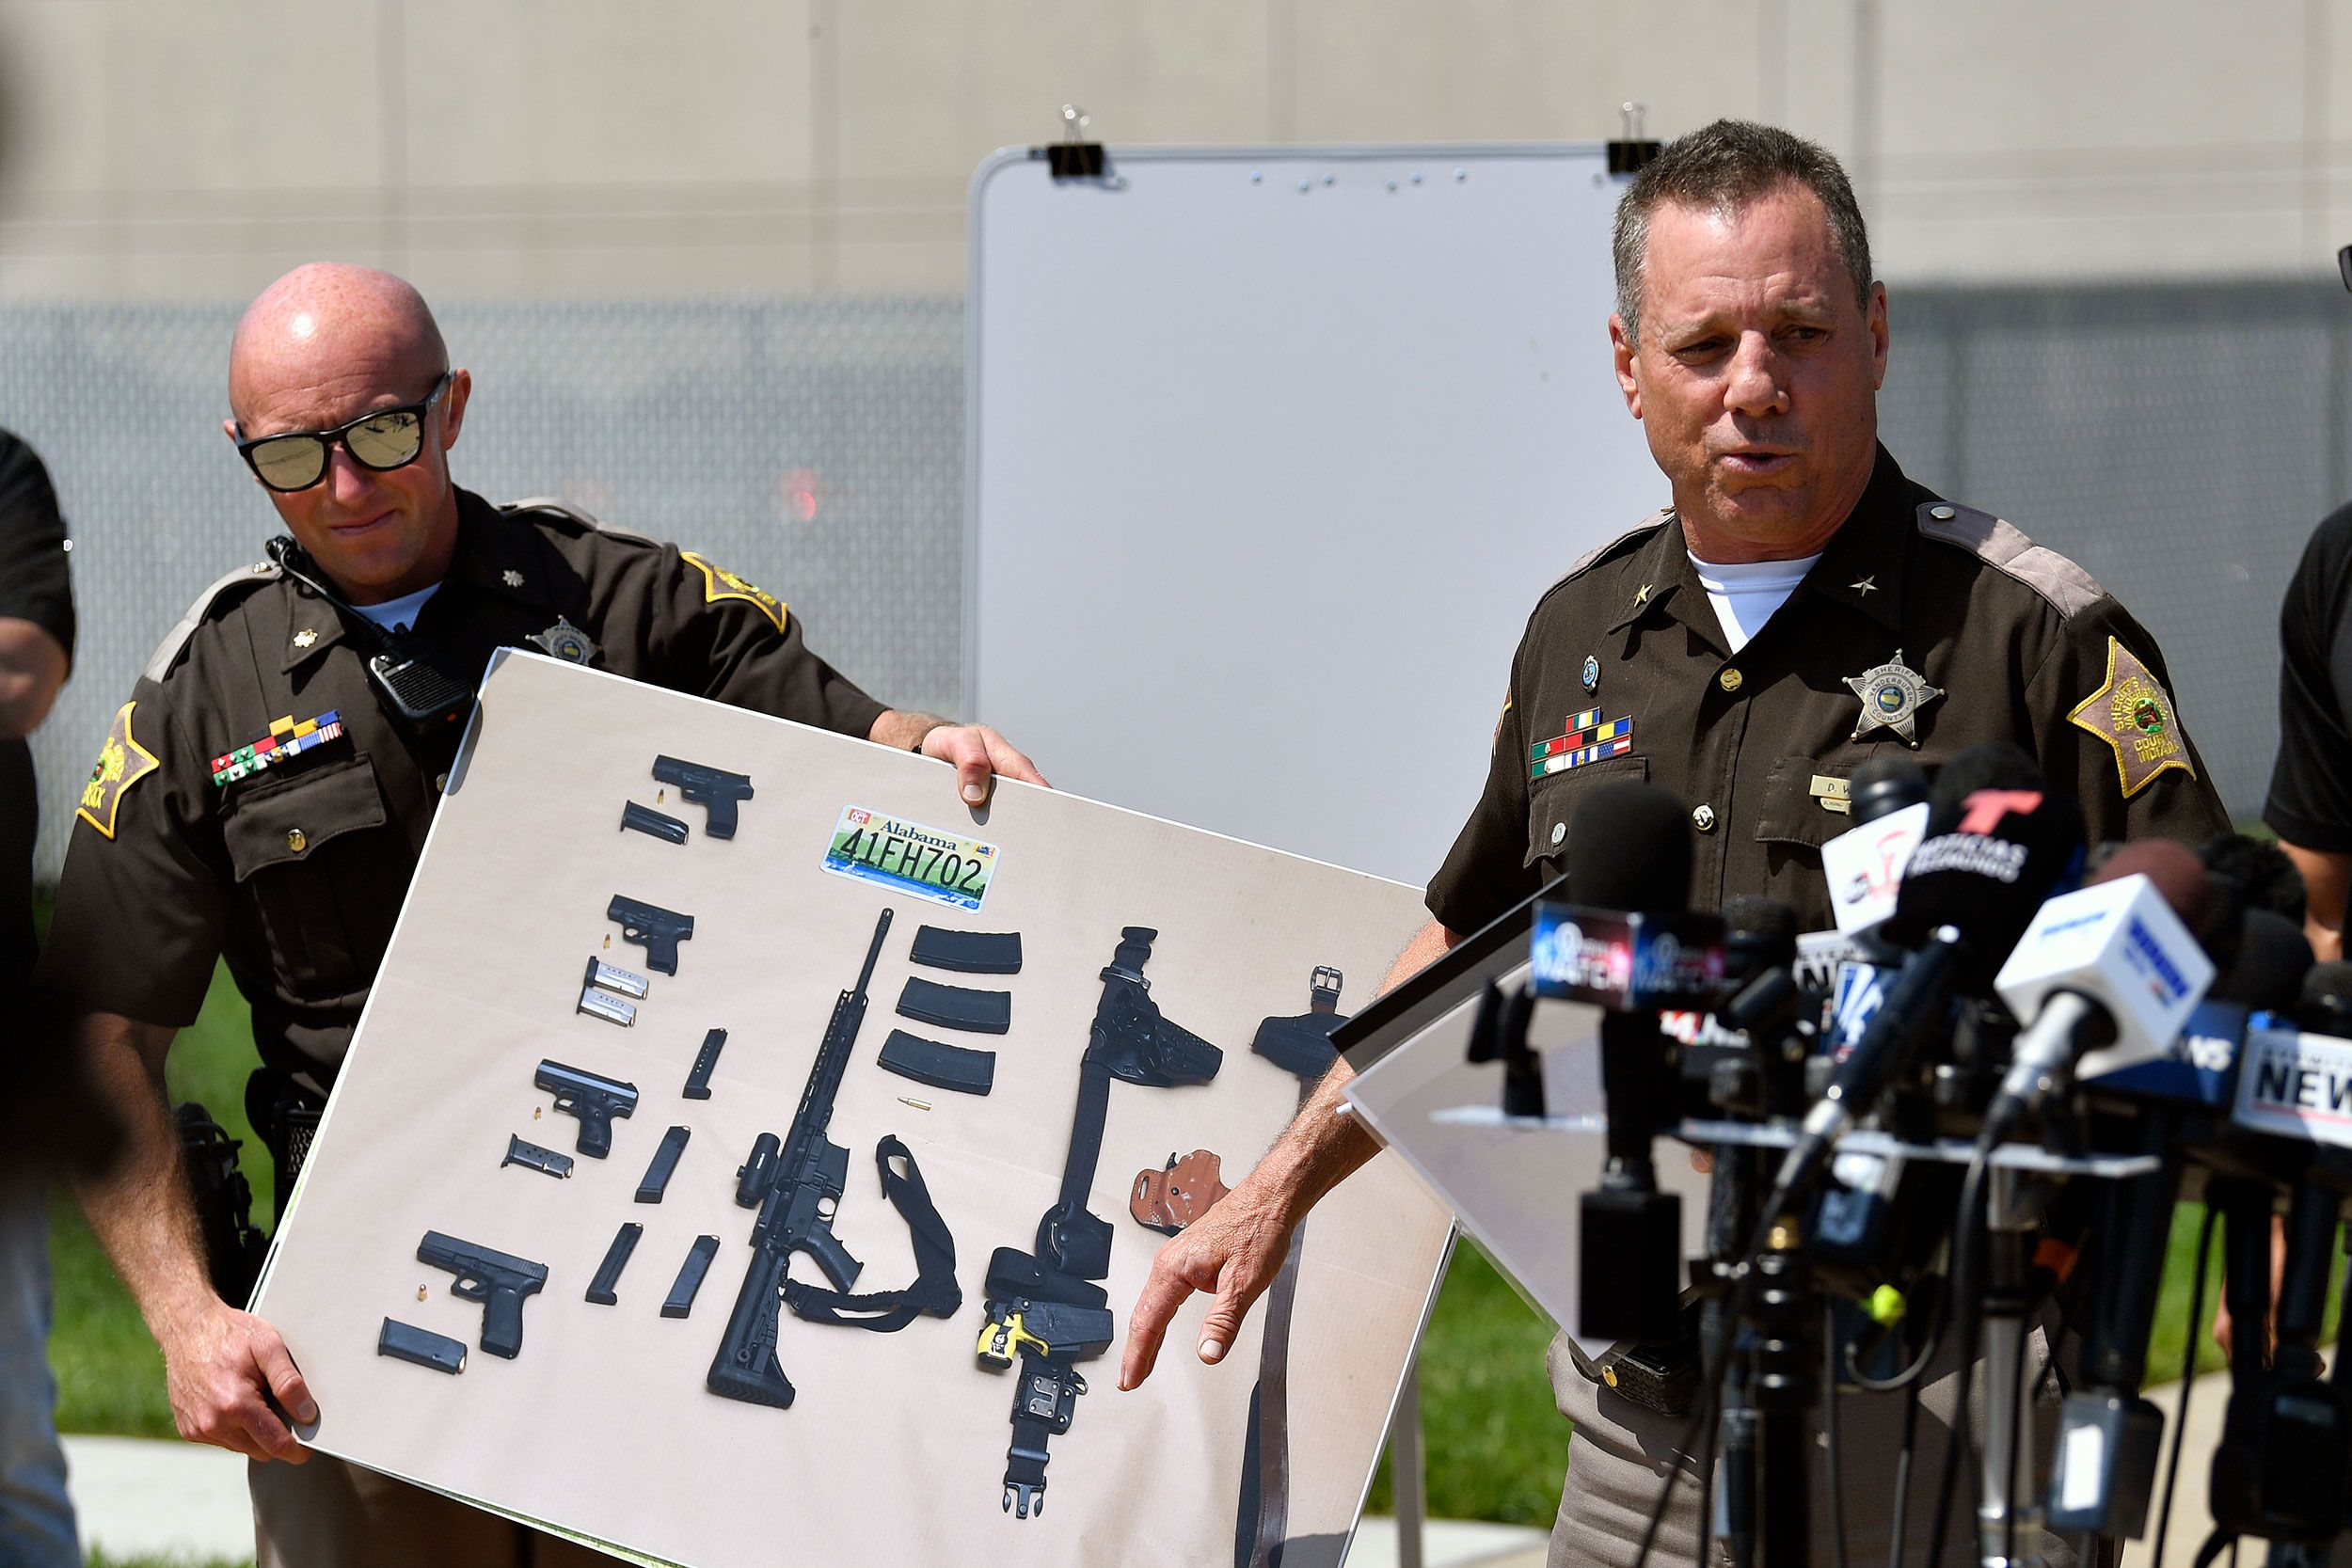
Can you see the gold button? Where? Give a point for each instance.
(1729, 679)
(296, 841)
(1703, 819)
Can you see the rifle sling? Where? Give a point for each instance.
(935, 1289)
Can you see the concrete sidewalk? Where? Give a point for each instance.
(176, 1501)
(140, 1499)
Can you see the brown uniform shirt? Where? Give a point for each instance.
(297, 873)
(2024, 645)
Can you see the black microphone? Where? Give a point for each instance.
(2108, 1434)
(1997, 842)
(1628, 944)
(1886, 784)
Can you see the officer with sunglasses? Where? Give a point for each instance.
(263, 795)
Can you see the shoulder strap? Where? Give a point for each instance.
(2006, 549)
(935, 1289)
(168, 651)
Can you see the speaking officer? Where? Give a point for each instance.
(345, 409)
(1799, 607)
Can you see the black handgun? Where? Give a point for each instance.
(595, 1099)
(715, 790)
(498, 1280)
(652, 927)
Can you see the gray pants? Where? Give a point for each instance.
(36, 1515)
(327, 1514)
(1621, 1454)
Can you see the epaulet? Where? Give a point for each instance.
(569, 519)
(1999, 544)
(168, 651)
(1592, 557)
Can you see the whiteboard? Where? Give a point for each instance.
(1272, 451)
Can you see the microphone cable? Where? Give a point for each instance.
(2188, 1376)
(1829, 1431)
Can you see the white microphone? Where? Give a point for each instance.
(1864, 865)
(2107, 976)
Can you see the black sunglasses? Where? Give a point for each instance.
(384, 439)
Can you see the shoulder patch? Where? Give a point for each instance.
(719, 583)
(2133, 713)
(121, 763)
(168, 651)
(2000, 545)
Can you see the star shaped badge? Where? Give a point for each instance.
(510, 577)
(304, 638)
(1892, 697)
(565, 641)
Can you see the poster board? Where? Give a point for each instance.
(894, 1446)
(1301, 433)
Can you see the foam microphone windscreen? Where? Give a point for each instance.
(1997, 845)
(2176, 872)
(2273, 958)
(1759, 934)
(2326, 1006)
(1996, 765)
(1886, 784)
(2267, 877)
(1629, 849)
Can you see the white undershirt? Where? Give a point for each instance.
(1745, 596)
(401, 613)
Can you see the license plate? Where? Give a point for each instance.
(909, 858)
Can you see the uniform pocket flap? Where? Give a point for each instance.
(1552, 801)
(1791, 812)
(287, 822)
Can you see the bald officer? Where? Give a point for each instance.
(345, 408)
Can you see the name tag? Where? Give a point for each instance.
(1832, 794)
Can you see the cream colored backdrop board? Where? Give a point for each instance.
(894, 1451)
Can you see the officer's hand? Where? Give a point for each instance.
(221, 1370)
(1236, 1250)
(980, 753)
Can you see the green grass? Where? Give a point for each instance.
(110, 1376)
(99, 1559)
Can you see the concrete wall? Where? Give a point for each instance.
(155, 148)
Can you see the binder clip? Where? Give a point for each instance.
(1073, 157)
(1629, 153)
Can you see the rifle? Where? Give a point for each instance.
(797, 1185)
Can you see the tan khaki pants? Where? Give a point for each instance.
(327, 1514)
(1621, 1455)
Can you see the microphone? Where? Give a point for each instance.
(1629, 945)
(2297, 1082)
(2109, 1435)
(1888, 798)
(2108, 974)
(1996, 843)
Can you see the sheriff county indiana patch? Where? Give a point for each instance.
(2132, 712)
(121, 763)
(719, 583)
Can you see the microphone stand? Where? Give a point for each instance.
(2008, 1521)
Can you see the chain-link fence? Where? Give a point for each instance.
(817, 448)
(2178, 439)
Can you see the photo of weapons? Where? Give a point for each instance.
(593, 1097)
(1301, 1046)
(1044, 1307)
(713, 788)
(496, 1280)
(797, 1185)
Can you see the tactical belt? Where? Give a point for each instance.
(935, 1289)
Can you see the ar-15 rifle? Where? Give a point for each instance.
(1045, 1307)
(798, 1191)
